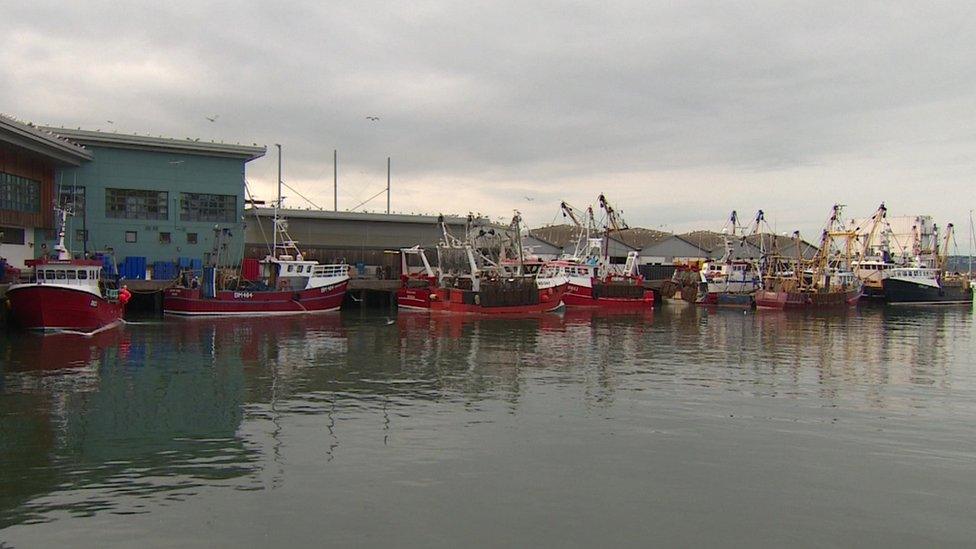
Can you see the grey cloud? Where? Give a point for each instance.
(553, 96)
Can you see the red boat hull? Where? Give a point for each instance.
(452, 301)
(582, 297)
(413, 298)
(190, 302)
(45, 307)
(796, 300)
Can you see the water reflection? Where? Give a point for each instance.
(162, 411)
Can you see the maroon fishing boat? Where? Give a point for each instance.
(287, 283)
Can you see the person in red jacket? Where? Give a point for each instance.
(124, 295)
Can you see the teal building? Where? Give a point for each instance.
(153, 197)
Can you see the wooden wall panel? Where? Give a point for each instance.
(26, 165)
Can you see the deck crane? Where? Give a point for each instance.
(876, 221)
(613, 223)
(942, 255)
(584, 221)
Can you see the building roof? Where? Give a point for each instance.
(359, 216)
(638, 237)
(158, 144)
(674, 246)
(706, 240)
(565, 236)
(42, 142)
(557, 235)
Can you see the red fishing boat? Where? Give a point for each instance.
(588, 287)
(287, 283)
(591, 280)
(65, 294)
(468, 281)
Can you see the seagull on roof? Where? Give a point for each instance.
(373, 118)
(212, 118)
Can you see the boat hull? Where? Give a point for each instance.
(722, 299)
(898, 291)
(452, 300)
(578, 297)
(413, 298)
(190, 302)
(42, 307)
(797, 300)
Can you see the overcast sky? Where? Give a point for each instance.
(678, 111)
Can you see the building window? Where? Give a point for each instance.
(19, 194)
(73, 198)
(131, 237)
(81, 235)
(208, 207)
(136, 204)
(164, 238)
(191, 238)
(12, 235)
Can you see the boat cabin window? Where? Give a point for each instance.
(60, 275)
(291, 268)
(40, 275)
(83, 275)
(72, 275)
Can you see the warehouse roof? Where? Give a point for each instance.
(159, 144)
(42, 142)
(360, 216)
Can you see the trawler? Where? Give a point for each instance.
(925, 280)
(730, 280)
(823, 281)
(470, 277)
(592, 281)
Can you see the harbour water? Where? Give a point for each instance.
(682, 428)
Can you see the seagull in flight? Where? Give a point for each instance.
(110, 121)
(373, 118)
(212, 118)
(529, 198)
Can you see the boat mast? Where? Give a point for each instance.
(277, 203)
(972, 233)
(517, 227)
(62, 223)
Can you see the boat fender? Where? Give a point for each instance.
(477, 299)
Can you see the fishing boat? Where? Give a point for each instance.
(823, 281)
(287, 282)
(469, 280)
(921, 286)
(926, 281)
(591, 280)
(65, 294)
(873, 258)
(730, 280)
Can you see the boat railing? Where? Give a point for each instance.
(325, 271)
